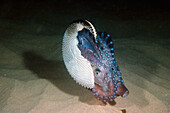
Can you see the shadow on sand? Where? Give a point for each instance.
(56, 73)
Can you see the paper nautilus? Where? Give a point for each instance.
(89, 58)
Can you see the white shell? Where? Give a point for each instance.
(78, 67)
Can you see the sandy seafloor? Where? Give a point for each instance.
(33, 78)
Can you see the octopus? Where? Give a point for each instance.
(90, 59)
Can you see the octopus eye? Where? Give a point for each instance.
(97, 71)
(112, 69)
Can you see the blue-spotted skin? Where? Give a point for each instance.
(107, 75)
